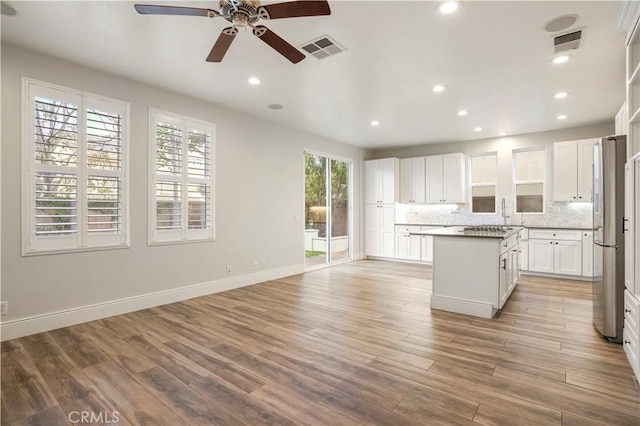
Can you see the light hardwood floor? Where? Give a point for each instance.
(353, 344)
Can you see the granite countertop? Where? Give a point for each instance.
(519, 226)
(456, 231)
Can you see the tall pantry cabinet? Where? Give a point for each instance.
(381, 194)
(628, 19)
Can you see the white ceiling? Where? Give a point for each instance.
(493, 57)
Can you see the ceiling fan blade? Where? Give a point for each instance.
(151, 9)
(222, 44)
(294, 9)
(278, 43)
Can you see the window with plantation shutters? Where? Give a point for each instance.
(75, 175)
(181, 181)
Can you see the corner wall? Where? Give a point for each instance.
(259, 187)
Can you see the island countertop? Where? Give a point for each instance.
(458, 231)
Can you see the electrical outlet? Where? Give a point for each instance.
(264, 264)
(228, 269)
(255, 264)
(4, 308)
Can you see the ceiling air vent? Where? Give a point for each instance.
(322, 47)
(568, 41)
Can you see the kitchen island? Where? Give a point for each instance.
(474, 271)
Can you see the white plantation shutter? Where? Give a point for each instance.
(74, 170)
(181, 181)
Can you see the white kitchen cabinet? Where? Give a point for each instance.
(413, 181)
(631, 331)
(573, 170)
(621, 120)
(587, 254)
(630, 340)
(381, 181)
(629, 226)
(555, 251)
(446, 179)
(380, 230)
(633, 256)
(509, 271)
(381, 192)
(427, 244)
(524, 255)
(407, 246)
(541, 256)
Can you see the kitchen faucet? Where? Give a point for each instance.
(504, 211)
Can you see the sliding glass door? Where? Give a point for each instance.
(327, 233)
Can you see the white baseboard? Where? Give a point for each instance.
(460, 306)
(51, 321)
(564, 277)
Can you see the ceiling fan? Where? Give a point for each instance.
(245, 13)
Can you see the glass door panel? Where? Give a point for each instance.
(339, 242)
(315, 210)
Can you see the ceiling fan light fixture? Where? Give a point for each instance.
(448, 7)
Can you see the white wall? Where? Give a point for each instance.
(259, 187)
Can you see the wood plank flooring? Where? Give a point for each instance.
(350, 345)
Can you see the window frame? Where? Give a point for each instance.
(184, 235)
(82, 241)
(472, 185)
(543, 181)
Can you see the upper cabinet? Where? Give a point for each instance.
(446, 178)
(622, 120)
(381, 181)
(633, 92)
(413, 181)
(573, 170)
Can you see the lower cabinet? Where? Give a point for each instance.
(587, 254)
(408, 246)
(427, 249)
(630, 341)
(380, 230)
(509, 271)
(560, 255)
(414, 247)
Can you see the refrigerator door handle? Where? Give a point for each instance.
(606, 245)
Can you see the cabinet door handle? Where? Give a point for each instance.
(550, 242)
(504, 264)
(626, 342)
(628, 311)
(623, 224)
(556, 243)
(574, 197)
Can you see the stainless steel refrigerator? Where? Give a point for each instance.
(609, 156)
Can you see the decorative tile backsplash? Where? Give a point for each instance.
(561, 215)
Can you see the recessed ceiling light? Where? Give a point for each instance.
(375, 123)
(275, 106)
(462, 113)
(449, 7)
(439, 88)
(502, 134)
(254, 81)
(560, 59)
(562, 117)
(478, 129)
(561, 95)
